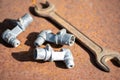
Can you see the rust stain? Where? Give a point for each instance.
(34, 2)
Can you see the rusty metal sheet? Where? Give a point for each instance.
(100, 20)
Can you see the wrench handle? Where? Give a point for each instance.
(91, 45)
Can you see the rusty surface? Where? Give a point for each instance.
(102, 54)
(100, 20)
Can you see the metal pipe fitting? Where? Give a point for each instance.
(48, 54)
(10, 35)
(60, 38)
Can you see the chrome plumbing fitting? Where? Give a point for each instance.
(10, 35)
(60, 38)
(48, 54)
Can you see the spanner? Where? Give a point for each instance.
(102, 54)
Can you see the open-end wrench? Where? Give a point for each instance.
(102, 54)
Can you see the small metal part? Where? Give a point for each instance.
(48, 54)
(10, 35)
(60, 38)
(102, 55)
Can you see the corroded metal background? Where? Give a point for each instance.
(98, 19)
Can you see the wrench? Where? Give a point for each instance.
(102, 54)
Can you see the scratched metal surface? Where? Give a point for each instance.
(98, 19)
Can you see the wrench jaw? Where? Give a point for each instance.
(44, 12)
(105, 56)
(103, 65)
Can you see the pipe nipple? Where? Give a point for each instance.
(39, 41)
(39, 54)
(69, 64)
(15, 43)
(72, 40)
(25, 20)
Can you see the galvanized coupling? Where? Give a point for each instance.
(10, 35)
(48, 54)
(62, 38)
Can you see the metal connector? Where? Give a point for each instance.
(60, 38)
(10, 35)
(48, 54)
